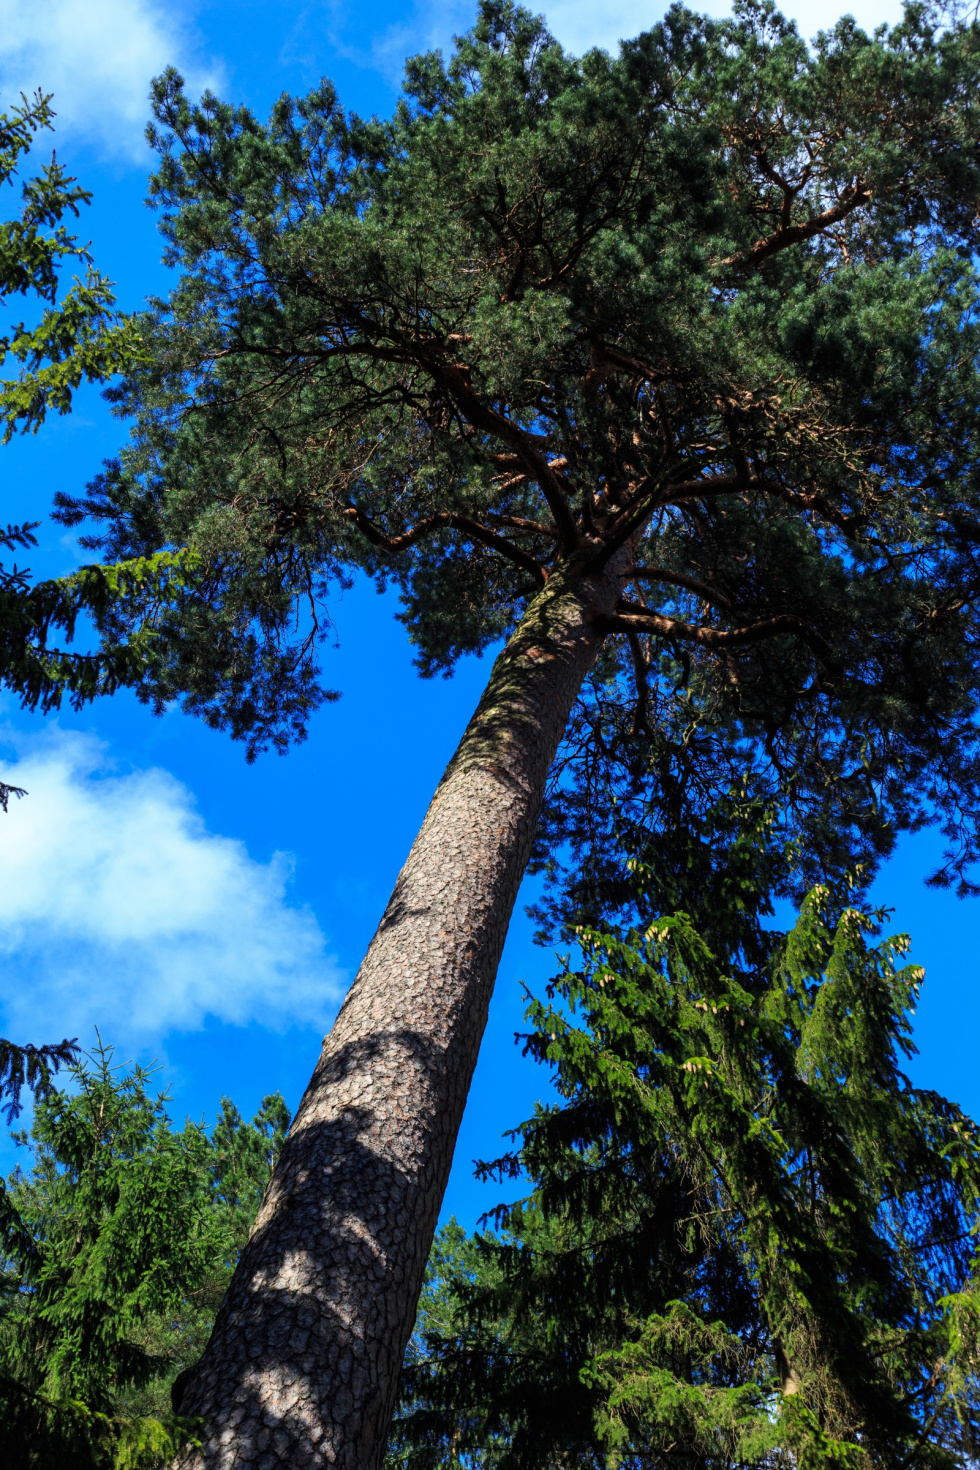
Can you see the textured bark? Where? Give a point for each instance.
(302, 1367)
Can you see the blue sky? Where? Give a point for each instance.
(197, 910)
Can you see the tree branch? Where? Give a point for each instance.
(455, 380)
(428, 524)
(857, 195)
(519, 523)
(639, 508)
(632, 618)
(714, 485)
(731, 484)
(679, 579)
(603, 356)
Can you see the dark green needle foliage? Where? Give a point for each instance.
(749, 1241)
(81, 338)
(715, 299)
(118, 1246)
(76, 337)
(33, 1067)
(241, 1160)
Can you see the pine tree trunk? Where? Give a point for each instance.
(302, 1367)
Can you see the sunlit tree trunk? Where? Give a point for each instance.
(302, 1367)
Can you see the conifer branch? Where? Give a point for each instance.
(456, 381)
(717, 485)
(642, 505)
(853, 198)
(32, 1067)
(632, 618)
(438, 521)
(680, 579)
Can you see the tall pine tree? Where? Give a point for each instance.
(662, 365)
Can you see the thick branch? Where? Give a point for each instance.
(456, 381)
(857, 195)
(683, 490)
(428, 524)
(680, 490)
(603, 357)
(631, 618)
(454, 378)
(680, 579)
(520, 523)
(642, 505)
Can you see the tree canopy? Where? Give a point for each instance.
(714, 299)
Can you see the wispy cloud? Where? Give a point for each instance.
(97, 57)
(120, 909)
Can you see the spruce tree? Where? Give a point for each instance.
(78, 337)
(661, 366)
(117, 1246)
(749, 1240)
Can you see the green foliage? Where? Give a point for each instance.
(749, 1241)
(33, 1067)
(716, 298)
(42, 675)
(119, 1244)
(82, 338)
(42, 1434)
(243, 1156)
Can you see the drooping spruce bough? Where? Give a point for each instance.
(78, 337)
(667, 361)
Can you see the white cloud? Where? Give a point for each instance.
(579, 26)
(97, 57)
(120, 909)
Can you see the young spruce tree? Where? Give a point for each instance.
(664, 365)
